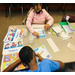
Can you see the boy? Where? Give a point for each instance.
(28, 57)
(38, 16)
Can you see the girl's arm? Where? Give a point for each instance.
(29, 21)
(49, 18)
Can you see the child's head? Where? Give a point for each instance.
(19, 43)
(26, 55)
(37, 7)
(12, 29)
(10, 38)
(13, 44)
(7, 45)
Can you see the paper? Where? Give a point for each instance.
(57, 29)
(68, 29)
(13, 34)
(43, 52)
(71, 46)
(41, 32)
(37, 26)
(71, 27)
(65, 36)
(12, 46)
(53, 45)
(9, 59)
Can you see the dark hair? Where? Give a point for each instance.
(36, 4)
(26, 54)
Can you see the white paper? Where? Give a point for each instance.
(43, 52)
(12, 47)
(53, 45)
(71, 46)
(57, 29)
(37, 26)
(65, 36)
(68, 29)
(41, 32)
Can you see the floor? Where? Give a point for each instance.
(16, 19)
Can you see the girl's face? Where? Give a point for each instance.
(37, 8)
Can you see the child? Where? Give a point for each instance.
(13, 45)
(7, 46)
(20, 44)
(38, 16)
(28, 57)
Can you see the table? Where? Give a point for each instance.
(64, 54)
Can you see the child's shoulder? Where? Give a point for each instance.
(43, 10)
(31, 10)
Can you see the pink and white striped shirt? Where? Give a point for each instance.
(34, 18)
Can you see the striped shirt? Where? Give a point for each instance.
(34, 18)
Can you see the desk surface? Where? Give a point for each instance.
(64, 54)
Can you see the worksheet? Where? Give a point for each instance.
(12, 47)
(9, 59)
(13, 34)
(42, 50)
(13, 41)
(41, 32)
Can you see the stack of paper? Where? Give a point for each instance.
(13, 41)
(57, 29)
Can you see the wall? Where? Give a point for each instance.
(69, 6)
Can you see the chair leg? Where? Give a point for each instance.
(10, 13)
(22, 12)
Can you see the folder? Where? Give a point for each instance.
(67, 27)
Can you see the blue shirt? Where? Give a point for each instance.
(46, 65)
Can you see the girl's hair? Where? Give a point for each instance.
(36, 4)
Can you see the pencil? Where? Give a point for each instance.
(38, 40)
(41, 52)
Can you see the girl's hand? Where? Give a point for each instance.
(46, 26)
(36, 34)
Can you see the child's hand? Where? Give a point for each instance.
(38, 55)
(46, 26)
(36, 34)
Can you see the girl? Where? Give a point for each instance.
(38, 16)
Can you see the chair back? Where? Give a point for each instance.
(15, 4)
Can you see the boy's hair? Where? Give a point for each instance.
(26, 54)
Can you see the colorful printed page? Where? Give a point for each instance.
(15, 43)
(9, 59)
(13, 34)
(43, 52)
(41, 32)
(12, 47)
